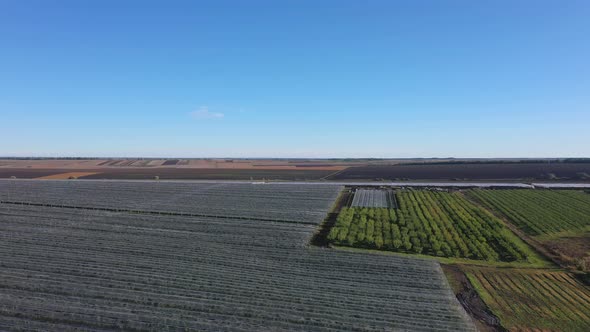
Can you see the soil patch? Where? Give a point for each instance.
(64, 176)
(574, 250)
(171, 162)
(28, 173)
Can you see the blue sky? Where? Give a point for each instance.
(286, 78)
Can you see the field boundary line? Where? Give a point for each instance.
(326, 178)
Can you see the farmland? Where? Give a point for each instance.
(555, 222)
(548, 171)
(500, 279)
(144, 173)
(433, 223)
(534, 299)
(540, 212)
(210, 256)
(559, 220)
(374, 198)
(579, 172)
(198, 163)
(208, 199)
(172, 169)
(221, 257)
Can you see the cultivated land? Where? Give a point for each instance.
(501, 281)
(174, 169)
(540, 212)
(578, 172)
(207, 257)
(172, 173)
(156, 255)
(534, 299)
(269, 164)
(433, 223)
(557, 219)
(565, 170)
(374, 198)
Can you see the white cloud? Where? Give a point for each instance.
(204, 113)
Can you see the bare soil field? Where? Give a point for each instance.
(68, 175)
(574, 250)
(304, 169)
(172, 169)
(29, 173)
(139, 173)
(208, 174)
(178, 163)
(542, 171)
(52, 163)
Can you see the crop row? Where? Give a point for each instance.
(303, 203)
(101, 270)
(539, 212)
(430, 222)
(556, 300)
(373, 198)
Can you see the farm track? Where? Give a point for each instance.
(95, 269)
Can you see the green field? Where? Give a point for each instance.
(434, 223)
(559, 220)
(466, 230)
(526, 300)
(540, 212)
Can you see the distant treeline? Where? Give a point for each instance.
(55, 158)
(524, 161)
(424, 161)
